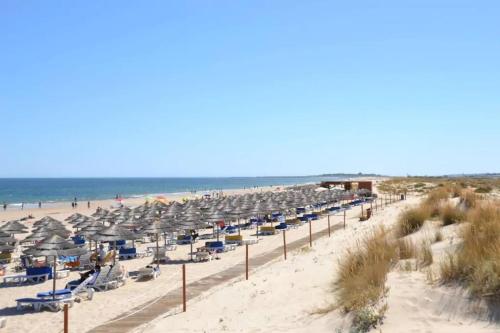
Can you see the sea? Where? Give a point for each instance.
(15, 191)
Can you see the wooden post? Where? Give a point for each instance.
(329, 230)
(246, 261)
(183, 287)
(284, 243)
(310, 234)
(344, 218)
(66, 319)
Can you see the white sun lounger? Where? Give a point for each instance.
(149, 272)
(19, 279)
(39, 303)
(202, 256)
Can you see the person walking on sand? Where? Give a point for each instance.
(22, 205)
(88, 204)
(39, 204)
(72, 204)
(4, 206)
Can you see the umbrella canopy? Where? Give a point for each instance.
(6, 247)
(6, 238)
(114, 233)
(14, 227)
(55, 246)
(45, 220)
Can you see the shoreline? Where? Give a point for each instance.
(62, 209)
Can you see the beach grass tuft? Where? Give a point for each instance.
(363, 271)
(411, 220)
(477, 262)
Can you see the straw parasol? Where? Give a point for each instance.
(55, 246)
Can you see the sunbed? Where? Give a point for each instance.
(29, 277)
(127, 253)
(149, 272)
(39, 303)
(185, 239)
(267, 230)
(202, 256)
(234, 239)
(85, 286)
(160, 255)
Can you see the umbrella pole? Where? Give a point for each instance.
(157, 253)
(54, 280)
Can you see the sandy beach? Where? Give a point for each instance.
(279, 296)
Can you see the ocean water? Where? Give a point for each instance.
(32, 190)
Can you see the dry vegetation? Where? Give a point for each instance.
(412, 220)
(451, 214)
(477, 262)
(362, 276)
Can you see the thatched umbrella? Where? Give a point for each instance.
(114, 233)
(55, 246)
(14, 227)
(156, 228)
(6, 238)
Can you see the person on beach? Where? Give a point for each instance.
(72, 204)
(4, 206)
(88, 204)
(39, 204)
(101, 254)
(22, 205)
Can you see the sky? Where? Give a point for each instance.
(248, 88)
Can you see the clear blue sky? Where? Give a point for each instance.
(245, 88)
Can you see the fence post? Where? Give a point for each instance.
(329, 231)
(66, 319)
(246, 261)
(310, 234)
(183, 287)
(284, 243)
(344, 218)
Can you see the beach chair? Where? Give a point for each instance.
(249, 241)
(185, 239)
(202, 256)
(281, 226)
(25, 278)
(38, 303)
(78, 240)
(267, 230)
(72, 292)
(148, 272)
(112, 279)
(234, 239)
(160, 255)
(127, 253)
(216, 246)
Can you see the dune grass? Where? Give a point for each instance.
(451, 214)
(363, 271)
(411, 220)
(469, 199)
(477, 262)
(425, 257)
(407, 249)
